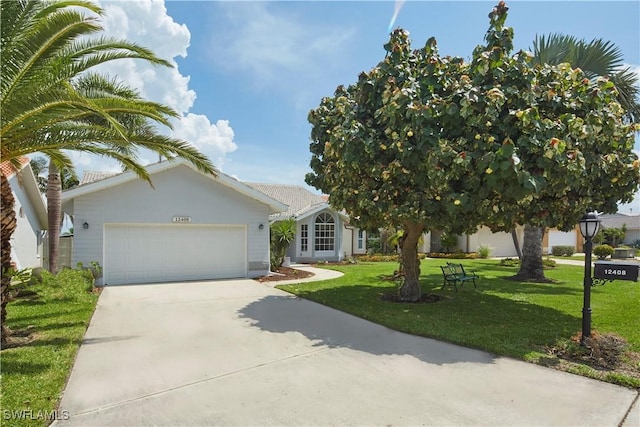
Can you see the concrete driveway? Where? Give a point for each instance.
(242, 353)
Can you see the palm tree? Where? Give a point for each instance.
(596, 58)
(50, 101)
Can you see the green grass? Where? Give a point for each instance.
(34, 375)
(503, 317)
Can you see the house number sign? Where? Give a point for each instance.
(181, 219)
(616, 271)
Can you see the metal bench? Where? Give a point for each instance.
(455, 274)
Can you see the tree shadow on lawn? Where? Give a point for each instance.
(336, 329)
(467, 317)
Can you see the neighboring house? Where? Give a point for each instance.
(31, 215)
(631, 222)
(322, 234)
(189, 226)
(501, 243)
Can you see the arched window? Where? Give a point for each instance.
(325, 232)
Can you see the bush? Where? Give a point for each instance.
(547, 263)
(378, 258)
(448, 241)
(455, 255)
(563, 250)
(603, 251)
(509, 262)
(484, 251)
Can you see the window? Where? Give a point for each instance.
(325, 232)
(360, 239)
(304, 237)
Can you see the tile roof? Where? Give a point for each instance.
(7, 169)
(618, 220)
(299, 199)
(91, 176)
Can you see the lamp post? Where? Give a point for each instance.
(589, 225)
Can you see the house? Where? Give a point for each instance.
(618, 220)
(188, 226)
(322, 233)
(31, 215)
(502, 243)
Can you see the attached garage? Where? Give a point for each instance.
(167, 253)
(188, 226)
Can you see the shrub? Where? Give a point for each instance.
(378, 258)
(509, 262)
(448, 241)
(563, 250)
(455, 255)
(603, 251)
(282, 234)
(484, 251)
(636, 244)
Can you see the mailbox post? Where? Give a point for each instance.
(589, 225)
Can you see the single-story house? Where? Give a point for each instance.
(502, 244)
(31, 215)
(188, 226)
(322, 233)
(618, 220)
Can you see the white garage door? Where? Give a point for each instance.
(561, 238)
(166, 253)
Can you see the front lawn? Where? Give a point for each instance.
(522, 320)
(51, 319)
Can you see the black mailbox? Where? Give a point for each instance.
(616, 270)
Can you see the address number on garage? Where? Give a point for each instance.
(181, 219)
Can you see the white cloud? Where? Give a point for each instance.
(276, 49)
(214, 140)
(146, 23)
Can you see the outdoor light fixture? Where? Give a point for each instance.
(589, 225)
(85, 225)
(261, 226)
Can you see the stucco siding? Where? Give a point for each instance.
(179, 191)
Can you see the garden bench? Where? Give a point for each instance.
(455, 273)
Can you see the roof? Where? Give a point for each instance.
(91, 176)
(8, 169)
(124, 177)
(617, 220)
(301, 201)
(27, 181)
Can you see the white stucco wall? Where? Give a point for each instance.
(26, 241)
(178, 192)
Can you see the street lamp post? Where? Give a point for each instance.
(589, 225)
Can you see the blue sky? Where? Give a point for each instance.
(247, 73)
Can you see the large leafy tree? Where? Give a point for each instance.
(423, 142)
(596, 58)
(51, 102)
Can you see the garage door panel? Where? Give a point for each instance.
(162, 253)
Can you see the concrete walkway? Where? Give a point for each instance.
(239, 353)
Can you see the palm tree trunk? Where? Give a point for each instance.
(531, 268)
(410, 290)
(8, 222)
(54, 214)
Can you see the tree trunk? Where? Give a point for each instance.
(8, 222)
(410, 290)
(54, 214)
(531, 268)
(516, 243)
